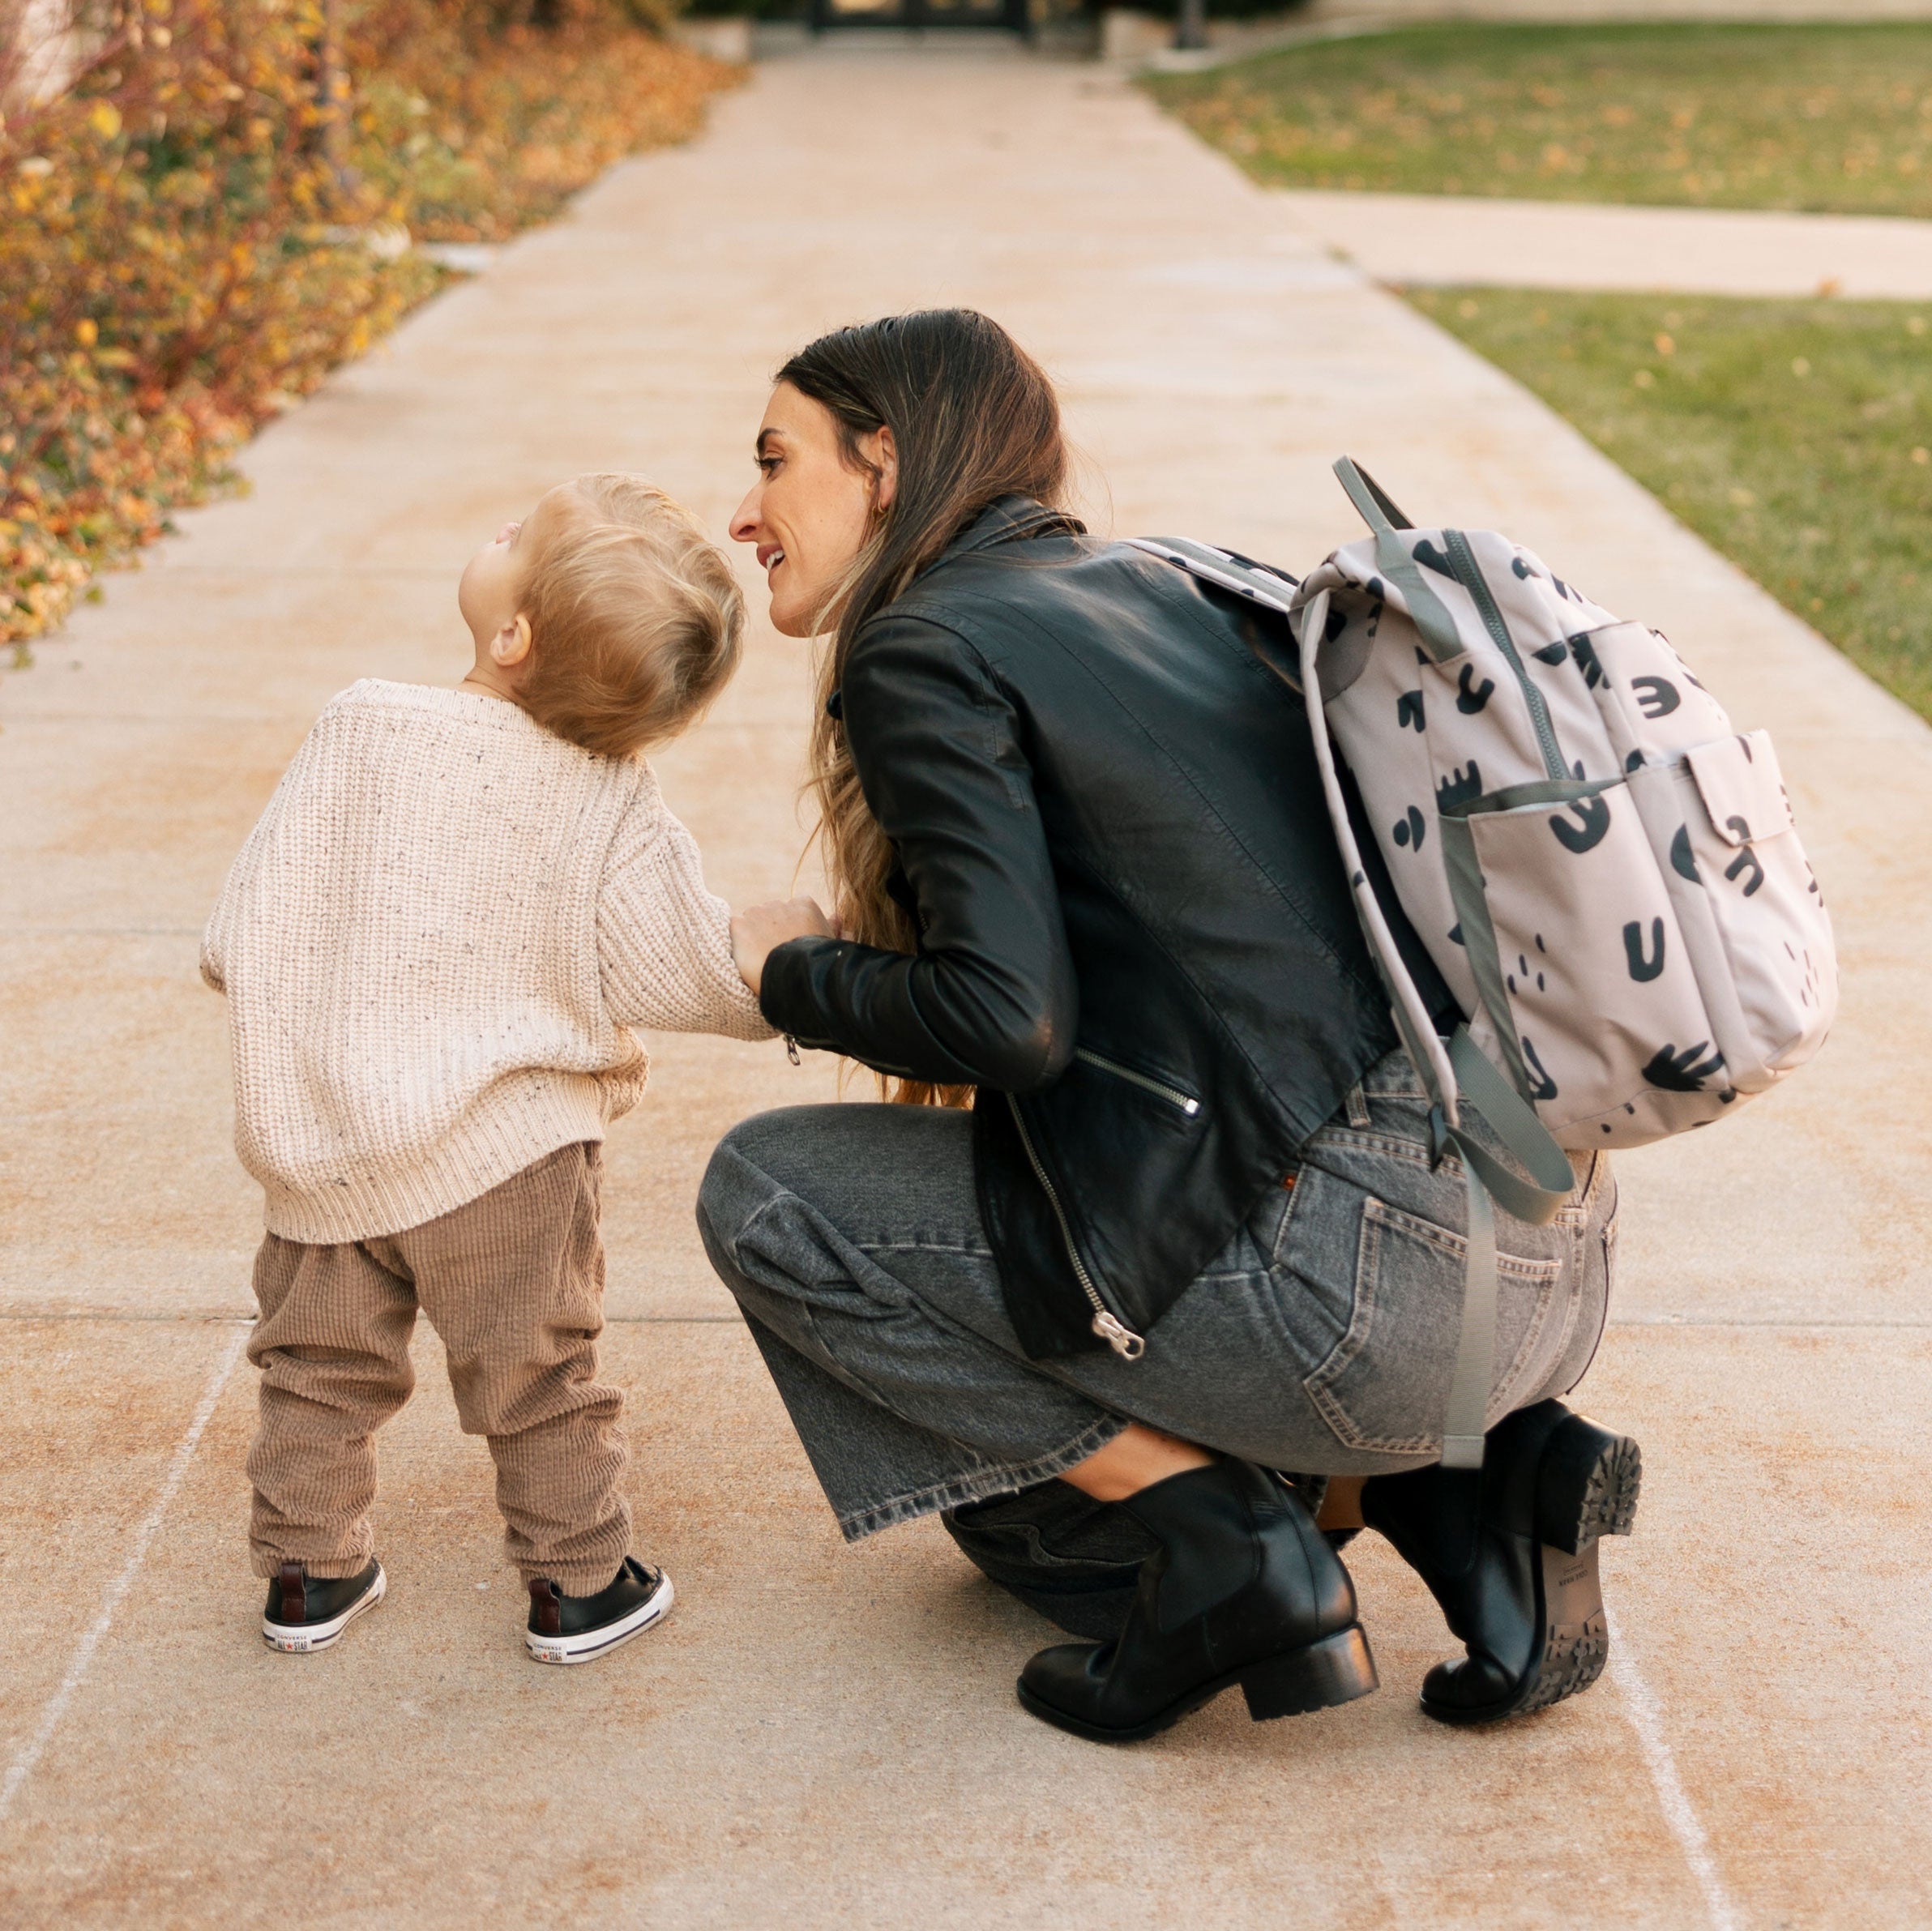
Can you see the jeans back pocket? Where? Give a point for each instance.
(1384, 1386)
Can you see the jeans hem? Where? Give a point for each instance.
(856, 1524)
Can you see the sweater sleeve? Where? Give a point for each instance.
(663, 942)
(214, 941)
(220, 931)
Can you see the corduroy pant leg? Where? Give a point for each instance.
(333, 1346)
(513, 1283)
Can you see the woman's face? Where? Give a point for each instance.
(810, 511)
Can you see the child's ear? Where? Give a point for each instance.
(511, 644)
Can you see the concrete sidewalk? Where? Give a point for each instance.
(1438, 238)
(822, 1737)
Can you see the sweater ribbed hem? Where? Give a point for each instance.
(525, 1119)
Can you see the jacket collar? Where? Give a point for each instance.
(1011, 519)
(1006, 520)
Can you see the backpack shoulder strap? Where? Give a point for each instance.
(1259, 582)
(1454, 1071)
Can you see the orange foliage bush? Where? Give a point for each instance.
(480, 126)
(193, 236)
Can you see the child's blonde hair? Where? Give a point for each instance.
(635, 620)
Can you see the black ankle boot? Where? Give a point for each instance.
(1074, 1560)
(1521, 1589)
(1244, 1589)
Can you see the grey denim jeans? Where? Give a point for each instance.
(1321, 1339)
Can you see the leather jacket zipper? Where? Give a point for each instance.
(1107, 1324)
(1172, 1094)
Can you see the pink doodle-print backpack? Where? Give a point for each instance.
(1607, 873)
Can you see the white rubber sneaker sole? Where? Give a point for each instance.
(304, 1641)
(587, 1645)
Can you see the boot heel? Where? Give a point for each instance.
(1586, 1485)
(1336, 1670)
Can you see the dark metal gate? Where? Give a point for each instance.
(1010, 15)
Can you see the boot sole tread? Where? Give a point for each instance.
(1590, 1487)
(1576, 1643)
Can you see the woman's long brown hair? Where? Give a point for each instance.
(973, 418)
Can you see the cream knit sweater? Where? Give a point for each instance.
(434, 946)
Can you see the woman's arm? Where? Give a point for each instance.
(989, 998)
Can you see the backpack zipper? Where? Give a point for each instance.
(1468, 573)
(1107, 1324)
(1173, 1095)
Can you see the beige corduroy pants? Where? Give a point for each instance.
(513, 1284)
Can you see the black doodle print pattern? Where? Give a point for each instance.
(1657, 696)
(1542, 1088)
(1470, 702)
(1643, 967)
(1683, 862)
(1426, 553)
(1591, 827)
(1685, 1072)
(1464, 786)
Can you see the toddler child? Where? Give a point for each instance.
(434, 946)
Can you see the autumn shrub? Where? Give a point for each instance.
(202, 226)
(479, 127)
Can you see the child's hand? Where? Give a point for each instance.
(758, 932)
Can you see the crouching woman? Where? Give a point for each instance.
(1189, 1233)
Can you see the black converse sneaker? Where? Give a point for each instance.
(304, 1615)
(579, 1629)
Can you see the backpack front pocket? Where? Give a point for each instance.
(1745, 859)
(1581, 967)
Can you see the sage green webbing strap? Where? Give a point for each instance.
(1489, 1182)
(1413, 1018)
(1514, 1122)
(1465, 1427)
(1377, 510)
(1430, 613)
(1450, 1074)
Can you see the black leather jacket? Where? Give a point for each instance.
(1136, 938)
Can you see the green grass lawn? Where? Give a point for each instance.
(1819, 118)
(1792, 435)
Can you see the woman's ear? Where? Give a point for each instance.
(511, 644)
(881, 453)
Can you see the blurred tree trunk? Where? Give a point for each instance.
(1191, 27)
(331, 86)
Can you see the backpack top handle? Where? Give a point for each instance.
(1426, 609)
(1378, 508)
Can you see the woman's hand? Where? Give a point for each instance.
(757, 932)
